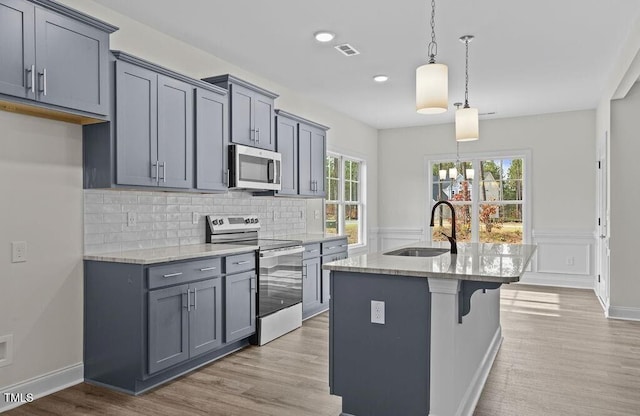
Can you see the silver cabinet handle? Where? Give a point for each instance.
(242, 262)
(254, 135)
(306, 271)
(253, 283)
(195, 298)
(189, 300)
(32, 72)
(227, 181)
(155, 165)
(43, 74)
(344, 245)
(257, 135)
(332, 247)
(313, 251)
(206, 269)
(172, 274)
(164, 171)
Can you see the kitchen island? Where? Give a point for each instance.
(416, 335)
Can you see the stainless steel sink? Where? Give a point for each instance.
(417, 252)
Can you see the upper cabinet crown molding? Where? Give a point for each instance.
(77, 15)
(134, 60)
(300, 119)
(230, 79)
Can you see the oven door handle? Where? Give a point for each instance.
(281, 252)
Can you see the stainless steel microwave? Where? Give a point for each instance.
(253, 168)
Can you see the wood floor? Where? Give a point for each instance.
(560, 356)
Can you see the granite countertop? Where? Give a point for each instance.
(164, 254)
(313, 237)
(502, 263)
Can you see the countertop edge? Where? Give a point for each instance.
(423, 275)
(113, 257)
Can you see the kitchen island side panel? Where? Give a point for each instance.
(380, 369)
(114, 323)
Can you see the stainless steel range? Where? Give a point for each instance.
(279, 295)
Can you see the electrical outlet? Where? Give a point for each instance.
(316, 214)
(377, 312)
(195, 218)
(132, 219)
(18, 251)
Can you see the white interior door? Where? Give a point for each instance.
(602, 249)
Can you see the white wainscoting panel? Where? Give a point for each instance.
(390, 238)
(563, 258)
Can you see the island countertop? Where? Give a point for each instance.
(488, 262)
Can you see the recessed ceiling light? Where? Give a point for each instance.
(324, 36)
(381, 78)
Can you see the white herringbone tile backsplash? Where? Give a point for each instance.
(166, 219)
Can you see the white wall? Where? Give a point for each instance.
(40, 300)
(563, 171)
(562, 149)
(41, 173)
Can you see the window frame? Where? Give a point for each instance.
(476, 158)
(342, 202)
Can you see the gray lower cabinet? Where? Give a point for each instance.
(311, 160)
(311, 286)
(52, 58)
(184, 321)
(336, 250)
(240, 304)
(212, 137)
(251, 112)
(144, 325)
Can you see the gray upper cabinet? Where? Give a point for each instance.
(137, 126)
(251, 111)
(211, 140)
(54, 55)
(287, 146)
(17, 49)
(175, 133)
(154, 128)
(312, 151)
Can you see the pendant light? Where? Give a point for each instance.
(467, 128)
(432, 79)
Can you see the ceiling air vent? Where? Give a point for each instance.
(347, 49)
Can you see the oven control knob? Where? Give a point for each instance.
(220, 221)
(215, 222)
(257, 220)
(247, 220)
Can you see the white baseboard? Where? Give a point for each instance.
(43, 385)
(623, 312)
(558, 279)
(472, 395)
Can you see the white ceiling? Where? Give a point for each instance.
(529, 57)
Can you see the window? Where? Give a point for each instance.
(344, 204)
(488, 194)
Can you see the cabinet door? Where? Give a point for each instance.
(168, 327)
(311, 289)
(326, 274)
(318, 160)
(71, 60)
(136, 127)
(211, 141)
(175, 133)
(287, 146)
(205, 319)
(17, 76)
(241, 129)
(264, 134)
(240, 305)
(305, 185)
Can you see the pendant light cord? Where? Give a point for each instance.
(466, 75)
(433, 45)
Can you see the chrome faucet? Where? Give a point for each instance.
(452, 239)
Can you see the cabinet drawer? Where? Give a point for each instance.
(333, 257)
(240, 263)
(335, 246)
(311, 251)
(205, 268)
(169, 274)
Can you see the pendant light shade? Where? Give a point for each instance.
(467, 128)
(432, 88)
(432, 79)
